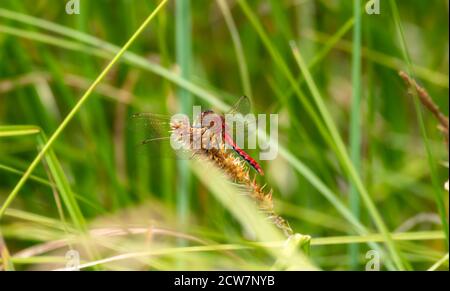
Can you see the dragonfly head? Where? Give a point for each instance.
(207, 112)
(210, 119)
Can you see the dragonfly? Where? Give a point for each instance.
(203, 132)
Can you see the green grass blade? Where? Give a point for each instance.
(355, 122)
(74, 110)
(329, 195)
(47, 183)
(439, 263)
(242, 63)
(17, 172)
(378, 237)
(37, 219)
(439, 191)
(5, 257)
(57, 173)
(431, 76)
(184, 59)
(345, 159)
(63, 186)
(18, 130)
(284, 69)
(325, 50)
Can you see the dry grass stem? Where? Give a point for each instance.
(428, 103)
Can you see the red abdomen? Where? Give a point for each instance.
(244, 155)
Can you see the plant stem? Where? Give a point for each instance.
(355, 121)
(183, 58)
(438, 191)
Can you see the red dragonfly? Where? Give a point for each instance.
(158, 127)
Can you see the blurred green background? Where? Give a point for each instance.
(202, 52)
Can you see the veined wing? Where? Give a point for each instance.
(152, 135)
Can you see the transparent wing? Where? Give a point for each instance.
(150, 126)
(242, 106)
(152, 133)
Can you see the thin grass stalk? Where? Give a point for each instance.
(167, 165)
(324, 51)
(95, 111)
(5, 256)
(56, 173)
(239, 50)
(438, 190)
(439, 263)
(284, 69)
(428, 103)
(325, 241)
(345, 159)
(183, 58)
(306, 16)
(20, 173)
(371, 113)
(355, 124)
(39, 219)
(370, 54)
(330, 42)
(49, 184)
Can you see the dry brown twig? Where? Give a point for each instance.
(428, 103)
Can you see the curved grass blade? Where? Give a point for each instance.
(345, 159)
(75, 109)
(439, 263)
(438, 191)
(355, 121)
(242, 63)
